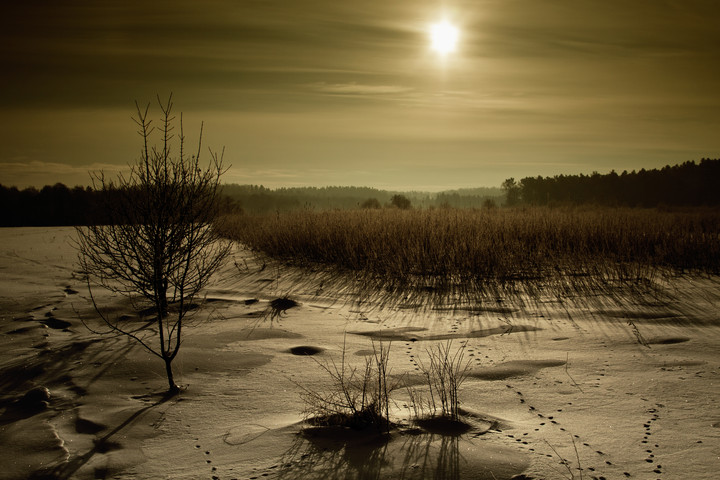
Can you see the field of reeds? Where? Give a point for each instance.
(459, 251)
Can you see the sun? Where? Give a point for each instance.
(444, 37)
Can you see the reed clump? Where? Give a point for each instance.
(456, 251)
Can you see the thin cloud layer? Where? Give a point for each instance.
(355, 89)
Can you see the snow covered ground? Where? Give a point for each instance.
(620, 386)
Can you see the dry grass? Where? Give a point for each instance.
(357, 398)
(458, 252)
(445, 373)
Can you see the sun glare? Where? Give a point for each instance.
(444, 37)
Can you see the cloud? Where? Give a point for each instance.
(359, 89)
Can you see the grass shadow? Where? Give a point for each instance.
(410, 454)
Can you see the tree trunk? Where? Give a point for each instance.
(171, 381)
(161, 292)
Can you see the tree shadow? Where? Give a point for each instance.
(67, 469)
(28, 385)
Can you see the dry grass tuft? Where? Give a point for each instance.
(357, 399)
(280, 306)
(445, 373)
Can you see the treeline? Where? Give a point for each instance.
(52, 205)
(259, 199)
(59, 205)
(686, 184)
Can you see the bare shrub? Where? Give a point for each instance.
(160, 246)
(357, 398)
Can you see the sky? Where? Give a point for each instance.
(322, 92)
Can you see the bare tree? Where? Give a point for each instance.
(160, 246)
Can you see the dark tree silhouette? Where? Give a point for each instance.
(512, 192)
(161, 246)
(371, 203)
(687, 184)
(400, 201)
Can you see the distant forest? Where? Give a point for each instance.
(52, 205)
(60, 205)
(687, 184)
(258, 199)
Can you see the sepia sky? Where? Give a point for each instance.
(321, 92)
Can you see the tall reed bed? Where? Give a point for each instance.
(458, 251)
